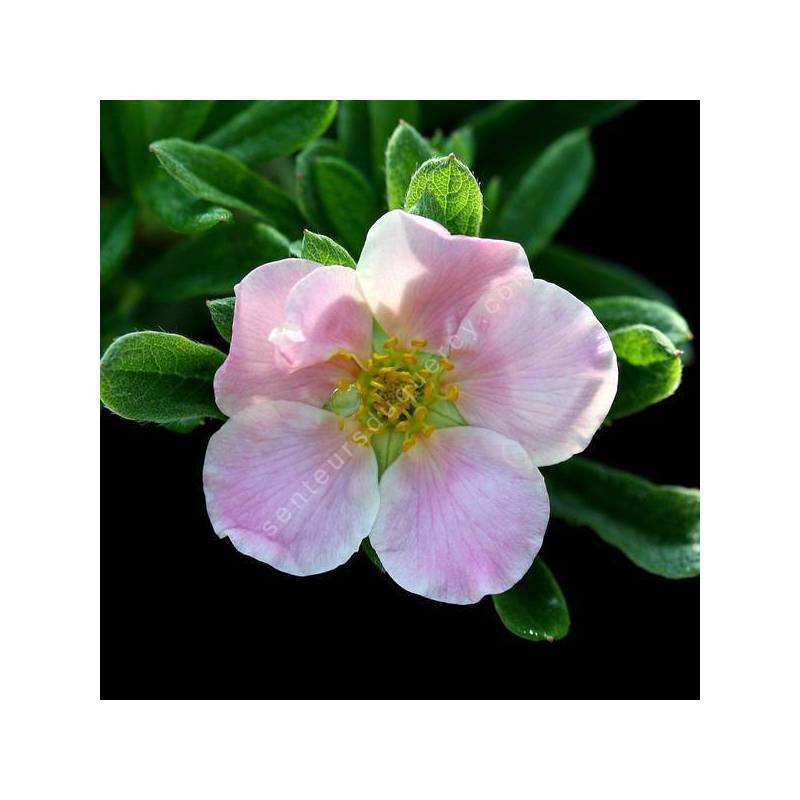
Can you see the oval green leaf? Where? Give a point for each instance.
(445, 190)
(650, 369)
(159, 377)
(534, 608)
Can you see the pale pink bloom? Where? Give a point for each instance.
(462, 511)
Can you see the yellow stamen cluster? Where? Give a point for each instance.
(396, 388)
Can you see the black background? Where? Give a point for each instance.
(186, 616)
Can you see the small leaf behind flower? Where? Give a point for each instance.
(406, 152)
(222, 315)
(446, 190)
(159, 377)
(650, 368)
(323, 250)
(534, 608)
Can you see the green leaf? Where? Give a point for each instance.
(620, 312)
(649, 369)
(547, 193)
(406, 152)
(219, 178)
(462, 143)
(175, 118)
(307, 191)
(510, 136)
(123, 142)
(324, 250)
(159, 377)
(384, 117)
(222, 315)
(369, 551)
(347, 200)
(534, 608)
(214, 262)
(117, 223)
(387, 447)
(657, 527)
(588, 277)
(353, 129)
(453, 188)
(181, 211)
(271, 128)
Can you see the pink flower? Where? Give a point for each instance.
(462, 511)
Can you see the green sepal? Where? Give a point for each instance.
(369, 551)
(534, 608)
(387, 446)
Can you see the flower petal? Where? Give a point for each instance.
(420, 280)
(289, 488)
(462, 515)
(325, 312)
(535, 364)
(249, 374)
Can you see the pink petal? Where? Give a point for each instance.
(289, 488)
(325, 313)
(249, 374)
(462, 515)
(420, 281)
(534, 364)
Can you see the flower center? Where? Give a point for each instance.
(394, 390)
